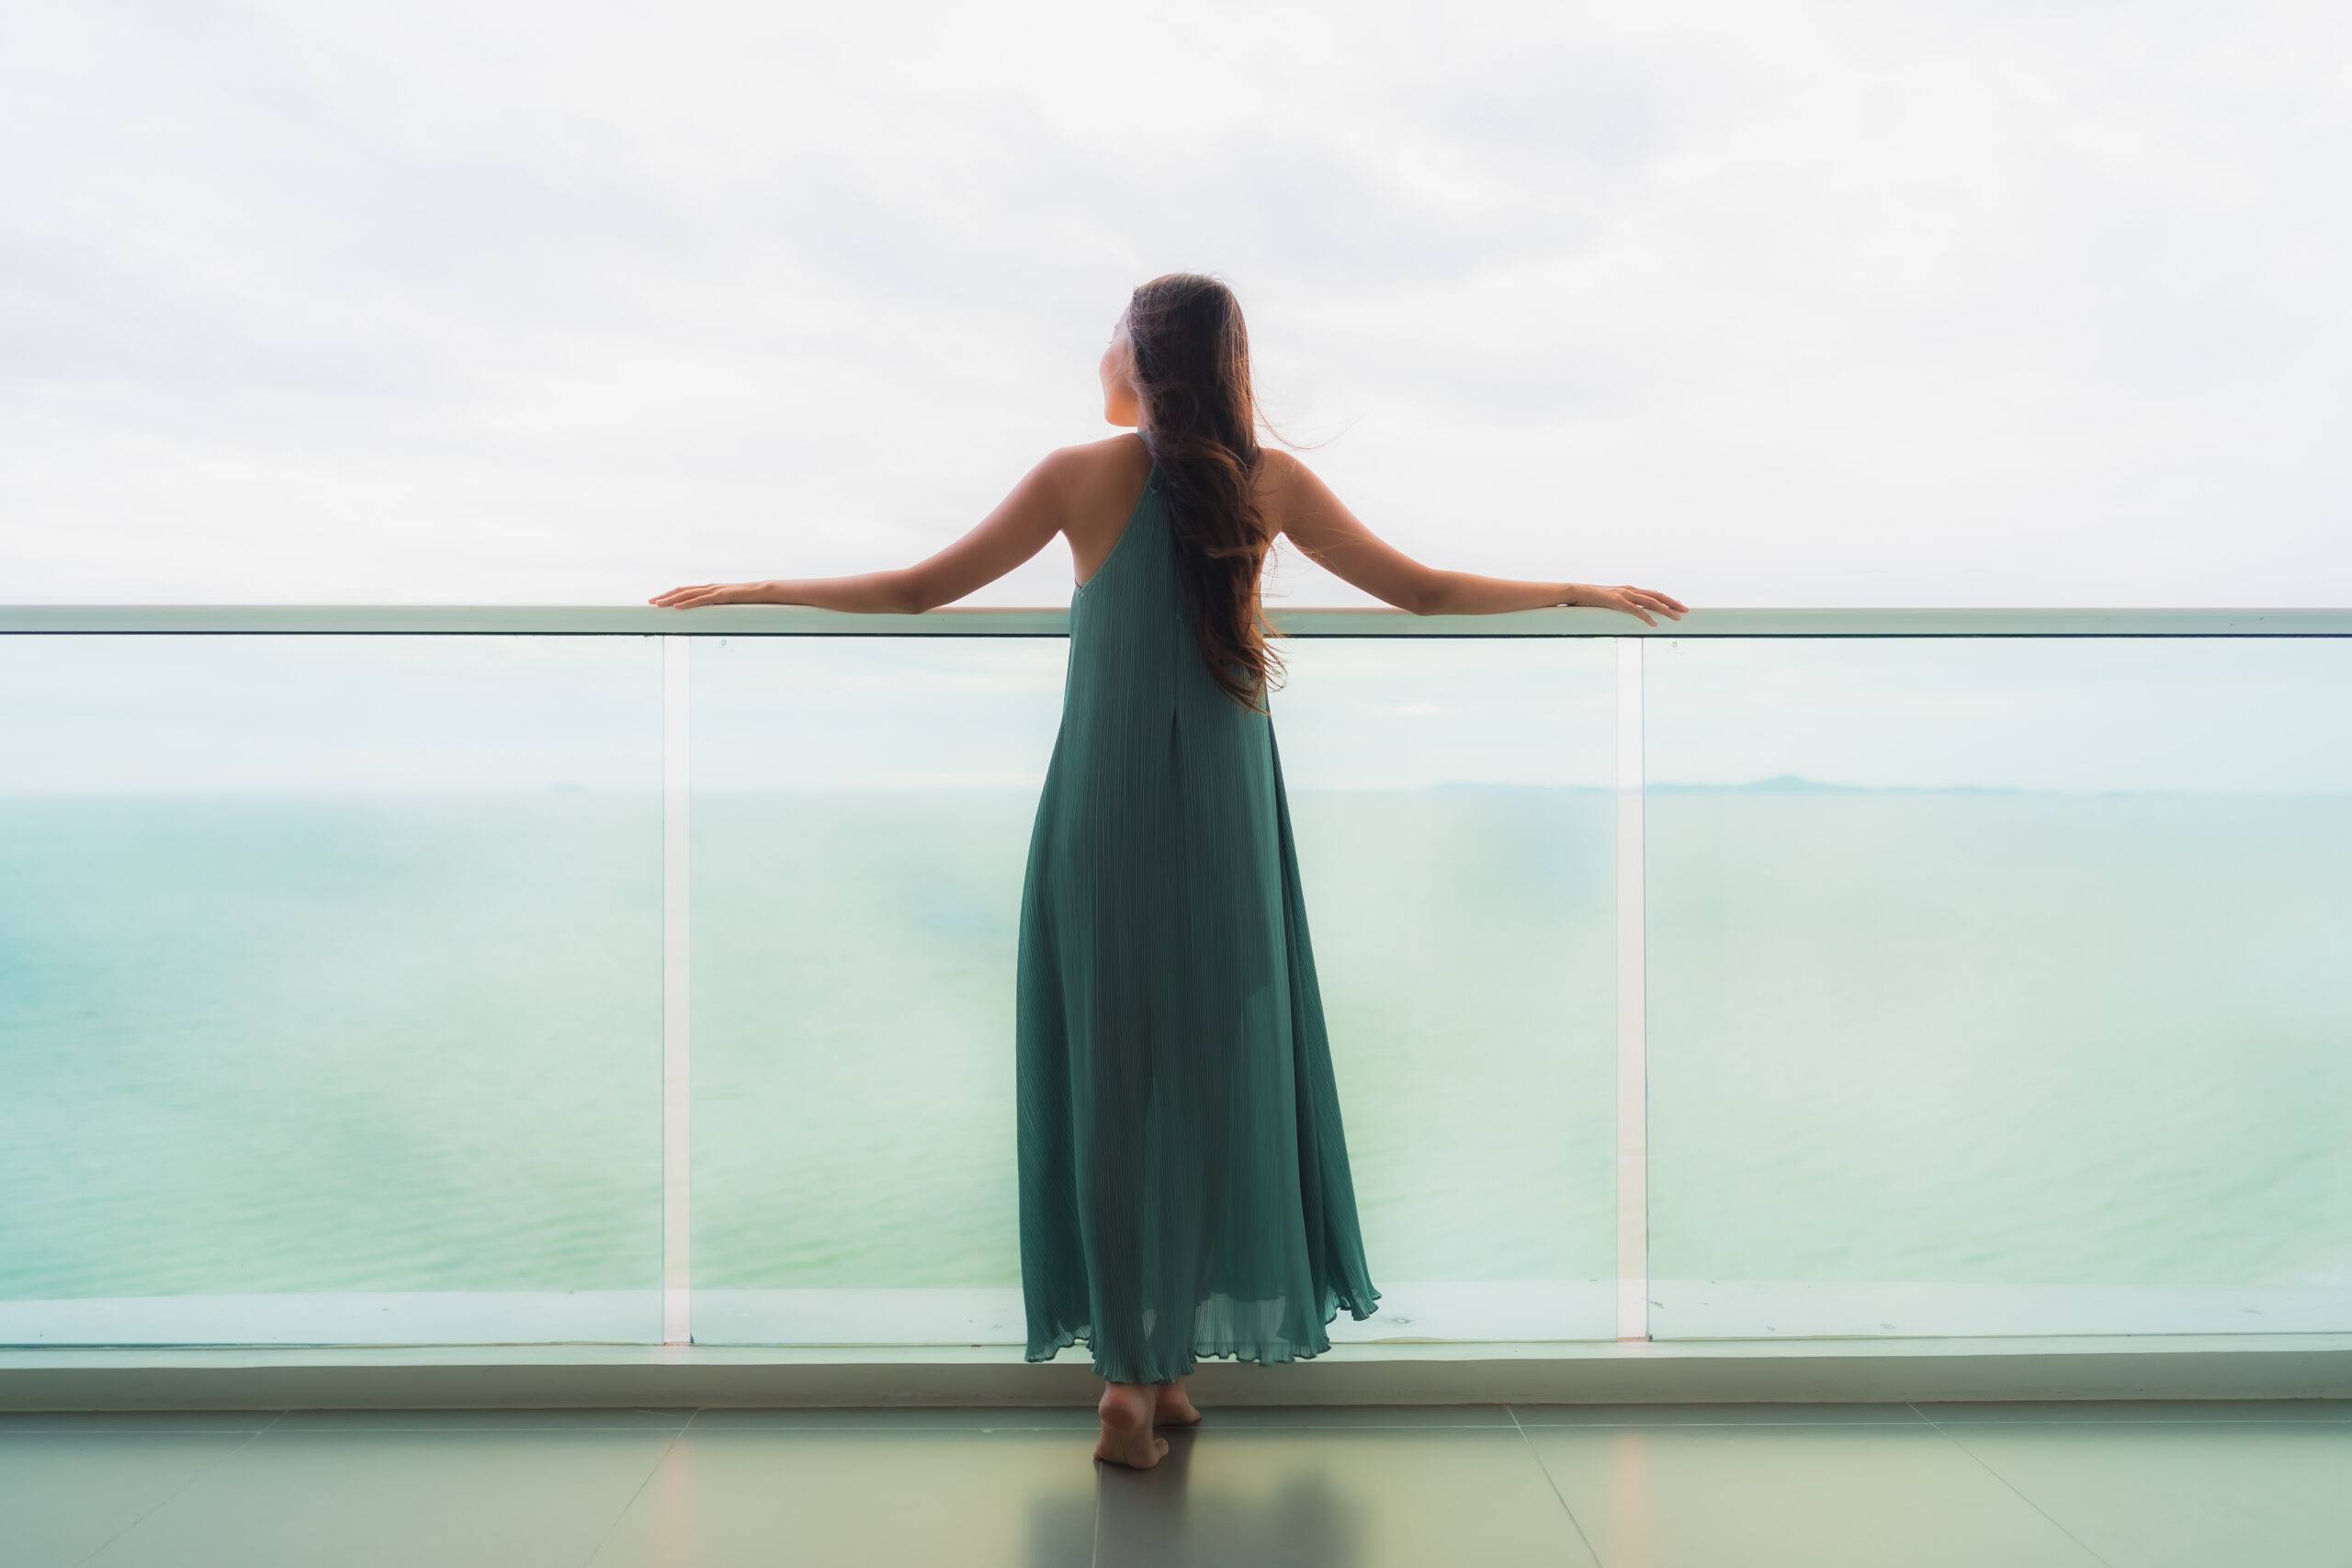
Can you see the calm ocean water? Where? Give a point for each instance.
(259, 1043)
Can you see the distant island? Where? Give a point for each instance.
(1798, 783)
(1778, 783)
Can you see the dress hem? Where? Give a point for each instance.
(1357, 1310)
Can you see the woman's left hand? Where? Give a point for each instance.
(701, 593)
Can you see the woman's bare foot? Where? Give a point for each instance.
(1172, 1407)
(1125, 1410)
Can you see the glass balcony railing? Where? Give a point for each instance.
(442, 975)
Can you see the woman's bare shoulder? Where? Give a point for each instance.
(1106, 466)
(1285, 485)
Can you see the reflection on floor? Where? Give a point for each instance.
(2264, 1483)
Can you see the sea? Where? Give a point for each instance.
(1947, 982)
(391, 1043)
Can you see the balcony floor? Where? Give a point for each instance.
(1627, 1486)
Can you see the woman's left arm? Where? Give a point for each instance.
(1022, 523)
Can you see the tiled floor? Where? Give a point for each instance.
(2264, 1483)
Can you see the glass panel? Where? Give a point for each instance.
(2000, 986)
(330, 989)
(861, 816)
(1988, 993)
(1455, 806)
(861, 819)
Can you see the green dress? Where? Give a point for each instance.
(1184, 1184)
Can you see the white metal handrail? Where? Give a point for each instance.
(775, 620)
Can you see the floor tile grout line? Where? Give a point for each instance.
(655, 1469)
(948, 1422)
(2148, 1421)
(1545, 1471)
(1094, 1545)
(1229, 1425)
(2047, 1405)
(144, 1514)
(1715, 1425)
(2015, 1491)
(367, 1431)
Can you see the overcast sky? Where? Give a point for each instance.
(1985, 303)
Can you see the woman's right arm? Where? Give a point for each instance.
(1337, 540)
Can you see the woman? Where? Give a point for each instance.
(1183, 1173)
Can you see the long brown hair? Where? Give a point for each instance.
(1192, 376)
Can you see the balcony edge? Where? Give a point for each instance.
(978, 620)
(569, 1376)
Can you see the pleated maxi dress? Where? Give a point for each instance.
(1183, 1173)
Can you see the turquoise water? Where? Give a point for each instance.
(272, 1043)
(264, 1042)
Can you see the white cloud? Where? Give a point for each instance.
(1758, 304)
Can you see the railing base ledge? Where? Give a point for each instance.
(1633, 1372)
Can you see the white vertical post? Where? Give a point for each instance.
(677, 1299)
(1633, 1017)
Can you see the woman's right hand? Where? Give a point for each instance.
(695, 595)
(1626, 597)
